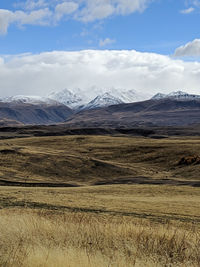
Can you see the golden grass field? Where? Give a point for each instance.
(87, 160)
(123, 224)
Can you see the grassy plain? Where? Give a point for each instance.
(119, 223)
(113, 225)
(90, 160)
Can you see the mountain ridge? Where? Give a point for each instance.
(34, 100)
(176, 108)
(79, 100)
(176, 95)
(163, 112)
(104, 100)
(26, 113)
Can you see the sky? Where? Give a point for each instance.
(145, 45)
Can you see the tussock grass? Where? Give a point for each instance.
(75, 239)
(86, 160)
(154, 202)
(98, 226)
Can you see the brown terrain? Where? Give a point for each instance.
(99, 196)
(80, 160)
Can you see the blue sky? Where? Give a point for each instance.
(147, 45)
(159, 27)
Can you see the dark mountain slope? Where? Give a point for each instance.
(34, 114)
(164, 112)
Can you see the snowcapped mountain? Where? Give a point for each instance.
(34, 100)
(79, 99)
(96, 97)
(179, 95)
(159, 96)
(115, 96)
(182, 95)
(103, 100)
(67, 98)
(128, 96)
(32, 110)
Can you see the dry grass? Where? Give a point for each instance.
(118, 225)
(158, 203)
(98, 226)
(76, 239)
(86, 160)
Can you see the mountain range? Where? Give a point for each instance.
(80, 100)
(114, 107)
(153, 112)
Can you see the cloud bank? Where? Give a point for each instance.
(43, 73)
(42, 12)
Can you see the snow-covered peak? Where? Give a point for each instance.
(127, 96)
(81, 99)
(67, 98)
(103, 100)
(131, 96)
(34, 100)
(176, 95)
(159, 96)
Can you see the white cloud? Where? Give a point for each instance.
(36, 17)
(100, 9)
(106, 42)
(6, 17)
(46, 72)
(31, 4)
(95, 10)
(128, 6)
(55, 10)
(65, 8)
(191, 49)
(188, 10)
